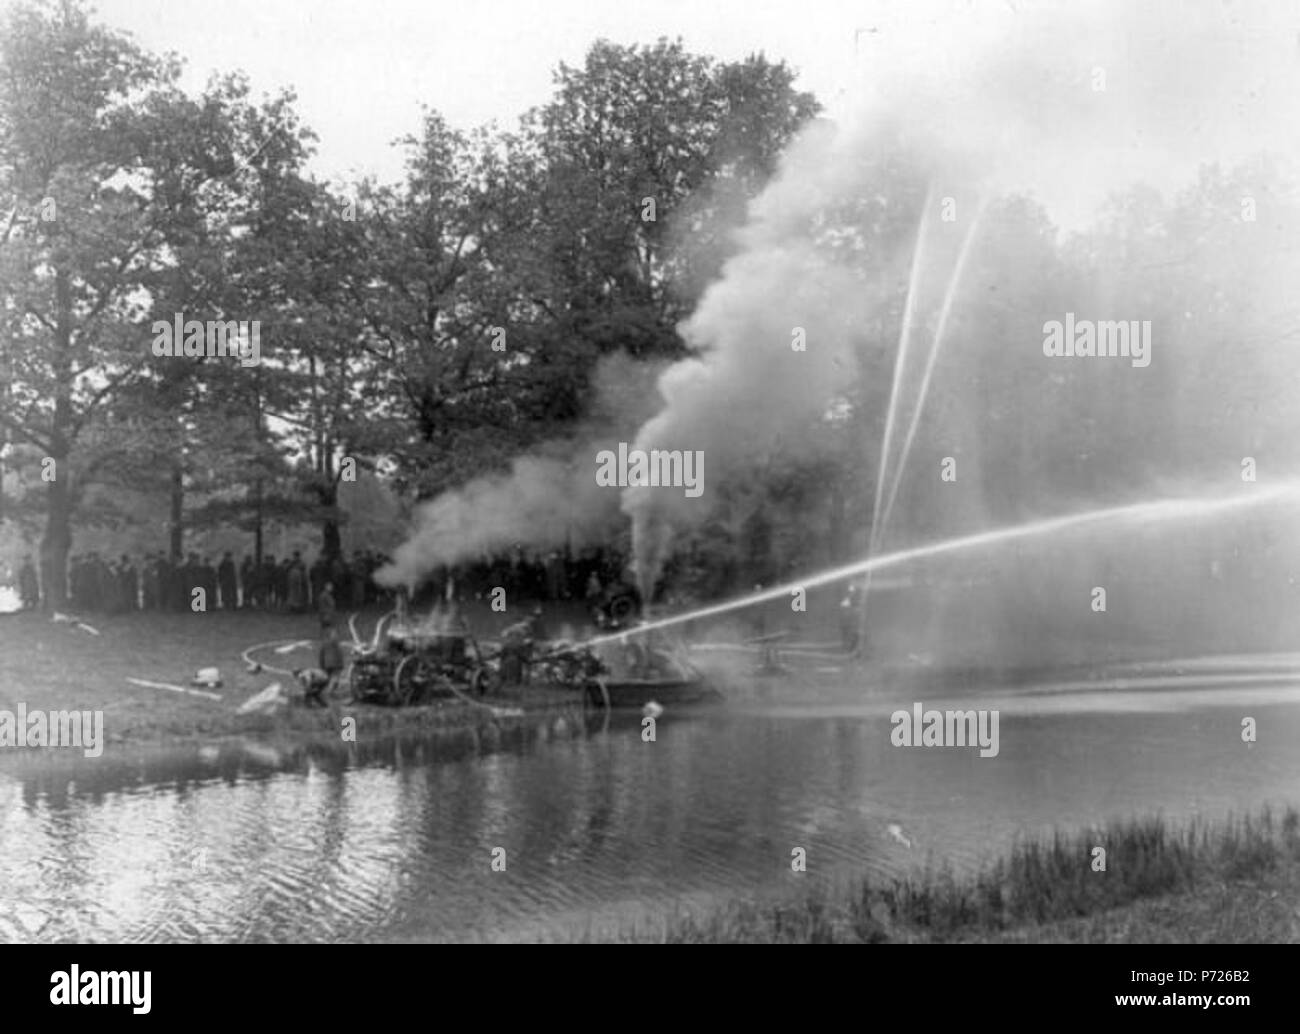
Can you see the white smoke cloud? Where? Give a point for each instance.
(547, 499)
(1066, 103)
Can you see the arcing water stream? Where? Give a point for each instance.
(904, 335)
(879, 518)
(1158, 510)
(900, 360)
(945, 310)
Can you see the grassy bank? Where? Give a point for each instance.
(57, 666)
(1235, 881)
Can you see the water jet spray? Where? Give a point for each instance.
(904, 336)
(1160, 509)
(944, 311)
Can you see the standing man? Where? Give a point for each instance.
(318, 574)
(594, 595)
(326, 609)
(112, 588)
(209, 582)
(129, 581)
(516, 652)
(271, 571)
(226, 580)
(297, 583)
(247, 578)
(191, 578)
(28, 588)
(331, 662)
(338, 574)
(149, 581)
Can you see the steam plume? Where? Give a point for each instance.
(1064, 103)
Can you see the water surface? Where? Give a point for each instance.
(395, 839)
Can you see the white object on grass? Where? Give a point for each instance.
(174, 688)
(268, 700)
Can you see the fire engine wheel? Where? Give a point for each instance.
(410, 680)
(362, 675)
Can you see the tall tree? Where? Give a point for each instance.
(116, 180)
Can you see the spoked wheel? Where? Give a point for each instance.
(411, 680)
(362, 676)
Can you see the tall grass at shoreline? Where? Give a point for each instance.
(1039, 881)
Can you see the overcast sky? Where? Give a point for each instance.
(362, 68)
(1189, 81)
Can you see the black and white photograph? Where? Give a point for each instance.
(654, 472)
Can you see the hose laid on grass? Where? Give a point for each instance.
(262, 646)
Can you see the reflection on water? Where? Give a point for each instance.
(389, 841)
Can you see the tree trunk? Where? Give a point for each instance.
(57, 539)
(258, 515)
(331, 543)
(327, 490)
(177, 527)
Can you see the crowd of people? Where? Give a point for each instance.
(554, 576)
(115, 585)
(107, 585)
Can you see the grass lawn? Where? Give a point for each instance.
(57, 666)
